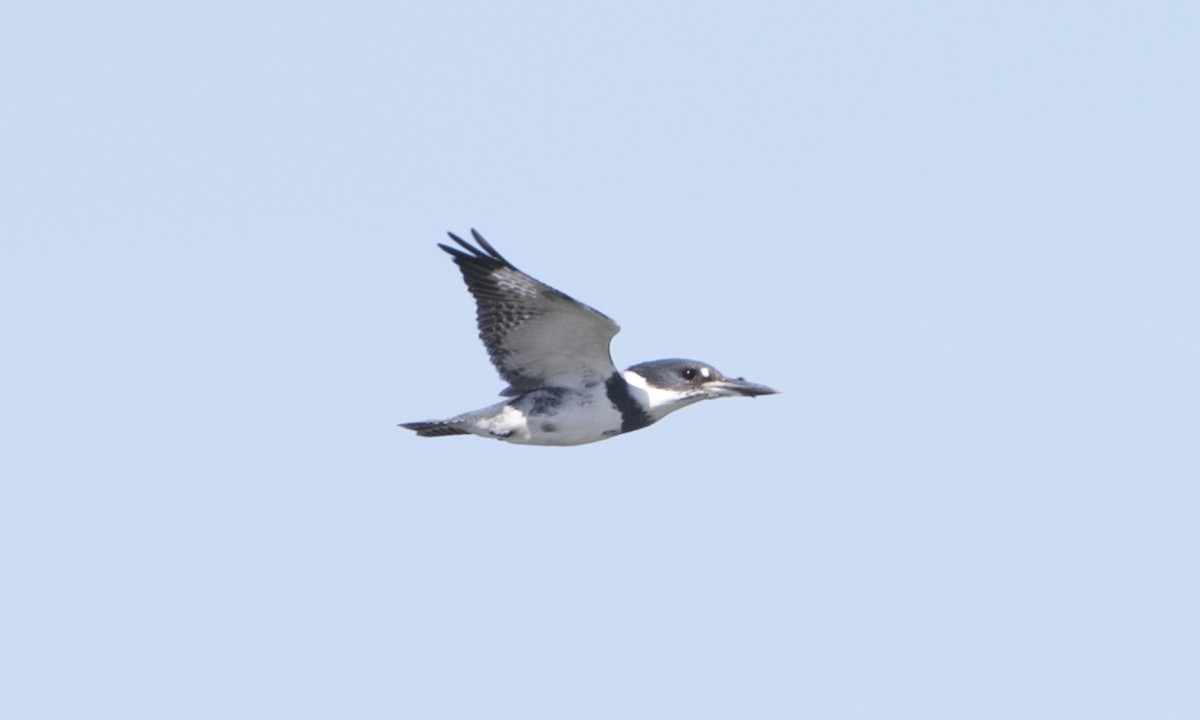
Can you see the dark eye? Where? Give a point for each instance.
(688, 373)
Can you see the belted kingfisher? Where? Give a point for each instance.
(553, 352)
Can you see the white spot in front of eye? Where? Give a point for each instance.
(704, 372)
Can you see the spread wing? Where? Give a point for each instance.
(535, 335)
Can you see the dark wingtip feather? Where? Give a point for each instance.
(487, 252)
(466, 245)
(487, 246)
(454, 251)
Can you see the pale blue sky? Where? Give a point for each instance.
(962, 238)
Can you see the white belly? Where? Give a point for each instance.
(573, 418)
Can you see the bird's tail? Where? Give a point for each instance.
(436, 428)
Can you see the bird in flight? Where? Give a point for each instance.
(554, 353)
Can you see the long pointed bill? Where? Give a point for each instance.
(735, 388)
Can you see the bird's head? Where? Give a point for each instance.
(667, 385)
